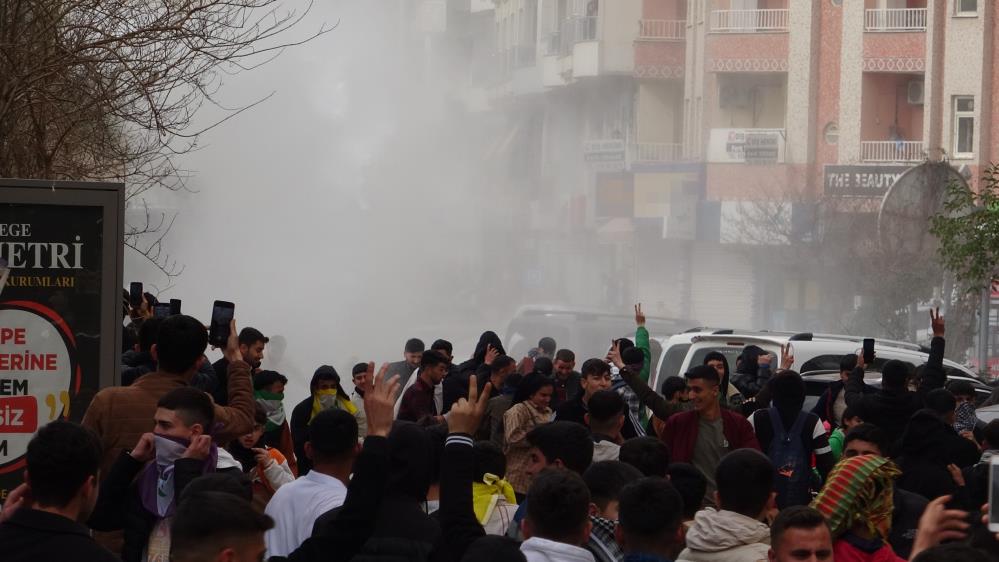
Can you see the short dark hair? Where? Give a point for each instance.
(691, 484)
(633, 356)
(529, 386)
(488, 458)
(502, 362)
(235, 484)
(672, 385)
(647, 454)
(604, 406)
(442, 345)
(558, 505)
(849, 413)
(359, 369)
(249, 336)
(940, 401)
(415, 345)
(745, 480)
(191, 405)
(565, 355)
(547, 345)
(952, 552)
(60, 458)
(333, 435)
(209, 522)
(870, 433)
(894, 373)
(848, 363)
(566, 441)
(259, 414)
(990, 433)
(594, 366)
(263, 379)
(624, 344)
(957, 388)
(650, 511)
(431, 359)
(544, 366)
(794, 517)
(148, 333)
(704, 373)
(606, 478)
(181, 341)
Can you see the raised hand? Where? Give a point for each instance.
(786, 356)
(19, 497)
(145, 449)
(939, 524)
(639, 315)
(937, 323)
(199, 448)
(231, 351)
(466, 415)
(614, 355)
(491, 354)
(379, 401)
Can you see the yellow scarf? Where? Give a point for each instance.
(486, 494)
(340, 402)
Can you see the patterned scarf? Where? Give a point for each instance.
(486, 494)
(273, 404)
(859, 490)
(331, 398)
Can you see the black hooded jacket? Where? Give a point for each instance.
(927, 447)
(455, 385)
(749, 377)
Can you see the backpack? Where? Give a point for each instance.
(793, 475)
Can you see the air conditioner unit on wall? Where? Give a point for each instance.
(915, 92)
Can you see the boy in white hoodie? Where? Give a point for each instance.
(736, 532)
(558, 518)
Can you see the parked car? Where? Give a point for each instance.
(587, 332)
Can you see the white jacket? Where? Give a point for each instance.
(536, 549)
(725, 536)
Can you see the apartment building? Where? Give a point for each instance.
(662, 129)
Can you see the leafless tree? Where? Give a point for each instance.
(109, 89)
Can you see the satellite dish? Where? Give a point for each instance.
(904, 218)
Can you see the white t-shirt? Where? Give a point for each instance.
(295, 508)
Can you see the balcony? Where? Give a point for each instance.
(893, 20)
(749, 21)
(519, 56)
(662, 30)
(892, 151)
(576, 29)
(656, 152)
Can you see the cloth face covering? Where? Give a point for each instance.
(273, 404)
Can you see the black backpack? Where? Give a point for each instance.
(792, 466)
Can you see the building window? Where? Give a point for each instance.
(966, 7)
(831, 133)
(964, 127)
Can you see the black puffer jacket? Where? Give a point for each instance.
(455, 385)
(927, 447)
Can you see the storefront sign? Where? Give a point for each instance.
(861, 181)
(746, 146)
(60, 302)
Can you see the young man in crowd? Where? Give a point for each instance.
(418, 401)
(930, 445)
(500, 370)
(331, 447)
(359, 376)
(251, 350)
(605, 481)
(218, 527)
(596, 376)
(557, 523)
(268, 390)
(705, 434)
(546, 349)
(832, 404)
(43, 519)
(412, 355)
(735, 532)
(605, 418)
(907, 506)
(800, 534)
(647, 454)
(976, 477)
(326, 394)
(120, 415)
(893, 404)
(139, 361)
(692, 485)
(649, 529)
(567, 380)
(140, 496)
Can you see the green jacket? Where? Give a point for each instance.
(836, 439)
(642, 342)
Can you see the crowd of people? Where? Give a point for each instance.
(500, 458)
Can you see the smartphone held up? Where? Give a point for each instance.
(218, 330)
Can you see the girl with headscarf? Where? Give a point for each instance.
(789, 436)
(530, 409)
(857, 502)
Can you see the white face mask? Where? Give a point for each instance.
(327, 399)
(168, 450)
